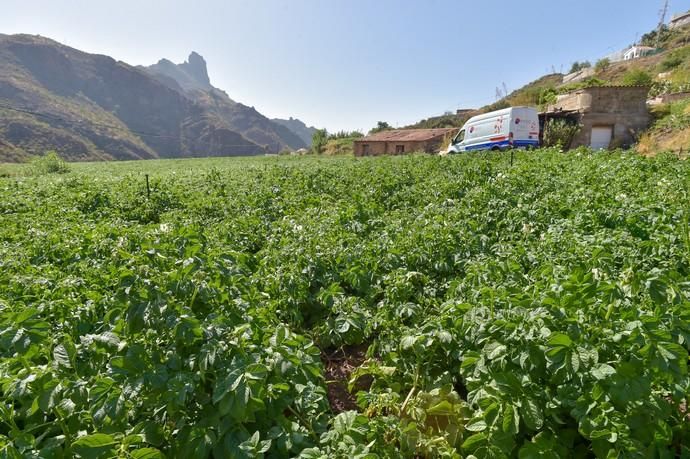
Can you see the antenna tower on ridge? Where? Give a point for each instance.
(662, 23)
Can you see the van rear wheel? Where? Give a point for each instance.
(495, 149)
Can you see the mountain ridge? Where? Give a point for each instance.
(92, 107)
(298, 127)
(192, 77)
(667, 70)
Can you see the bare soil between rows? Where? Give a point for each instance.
(339, 364)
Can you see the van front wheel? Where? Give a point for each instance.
(495, 149)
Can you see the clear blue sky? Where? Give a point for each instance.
(344, 64)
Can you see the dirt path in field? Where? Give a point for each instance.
(339, 365)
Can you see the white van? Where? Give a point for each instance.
(515, 127)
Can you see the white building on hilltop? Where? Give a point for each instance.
(637, 51)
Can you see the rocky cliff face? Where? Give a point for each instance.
(196, 68)
(188, 76)
(192, 77)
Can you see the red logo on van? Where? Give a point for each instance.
(471, 129)
(517, 120)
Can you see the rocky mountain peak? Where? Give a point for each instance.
(196, 68)
(191, 75)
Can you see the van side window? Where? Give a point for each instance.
(460, 137)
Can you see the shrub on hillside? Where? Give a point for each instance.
(500, 105)
(50, 163)
(547, 96)
(670, 63)
(637, 77)
(380, 127)
(339, 147)
(602, 64)
(675, 59)
(586, 83)
(529, 96)
(345, 135)
(655, 39)
(577, 66)
(668, 87)
(673, 116)
(560, 133)
(318, 141)
(445, 121)
(660, 111)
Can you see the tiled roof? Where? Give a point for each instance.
(407, 135)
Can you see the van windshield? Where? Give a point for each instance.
(460, 137)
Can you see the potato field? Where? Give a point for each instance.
(305, 307)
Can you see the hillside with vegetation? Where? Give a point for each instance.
(531, 94)
(334, 144)
(666, 71)
(670, 130)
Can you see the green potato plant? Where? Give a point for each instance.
(539, 310)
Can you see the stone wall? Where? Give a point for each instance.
(378, 147)
(620, 100)
(668, 98)
(579, 75)
(623, 108)
(574, 101)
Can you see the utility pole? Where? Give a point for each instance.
(662, 23)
